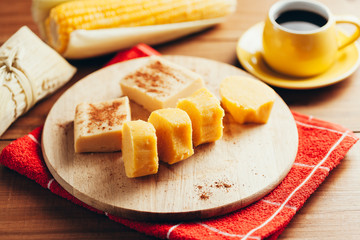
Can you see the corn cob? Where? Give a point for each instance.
(40, 10)
(94, 14)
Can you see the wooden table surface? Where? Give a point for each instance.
(27, 211)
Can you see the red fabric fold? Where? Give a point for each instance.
(322, 145)
(140, 50)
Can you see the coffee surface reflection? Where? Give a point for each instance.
(300, 20)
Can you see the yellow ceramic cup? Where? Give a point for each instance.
(299, 52)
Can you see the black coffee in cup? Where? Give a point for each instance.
(301, 20)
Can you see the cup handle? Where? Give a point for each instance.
(349, 19)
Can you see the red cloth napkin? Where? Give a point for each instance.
(140, 50)
(322, 145)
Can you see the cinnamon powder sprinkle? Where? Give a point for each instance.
(204, 196)
(151, 78)
(205, 191)
(67, 125)
(98, 115)
(221, 184)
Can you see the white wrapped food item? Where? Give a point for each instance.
(29, 71)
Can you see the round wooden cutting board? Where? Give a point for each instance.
(244, 165)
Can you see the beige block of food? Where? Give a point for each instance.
(98, 126)
(174, 134)
(248, 100)
(160, 83)
(139, 149)
(206, 116)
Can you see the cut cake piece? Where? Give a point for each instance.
(160, 83)
(98, 126)
(174, 133)
(248, 100)
(139, 149)
(206, 116)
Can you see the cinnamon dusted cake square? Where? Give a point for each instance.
(159, 83)
(98, 126)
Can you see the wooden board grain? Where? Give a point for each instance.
(244, 165)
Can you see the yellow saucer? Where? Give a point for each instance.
(249, 52)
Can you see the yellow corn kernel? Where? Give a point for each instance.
(94, 14)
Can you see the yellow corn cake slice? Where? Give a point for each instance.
(174, 133)
(98, 126)
(139, 150)
(160, 83)
(206, 116)
(246, 99)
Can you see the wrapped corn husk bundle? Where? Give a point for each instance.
(29, 71)
(87, 28)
